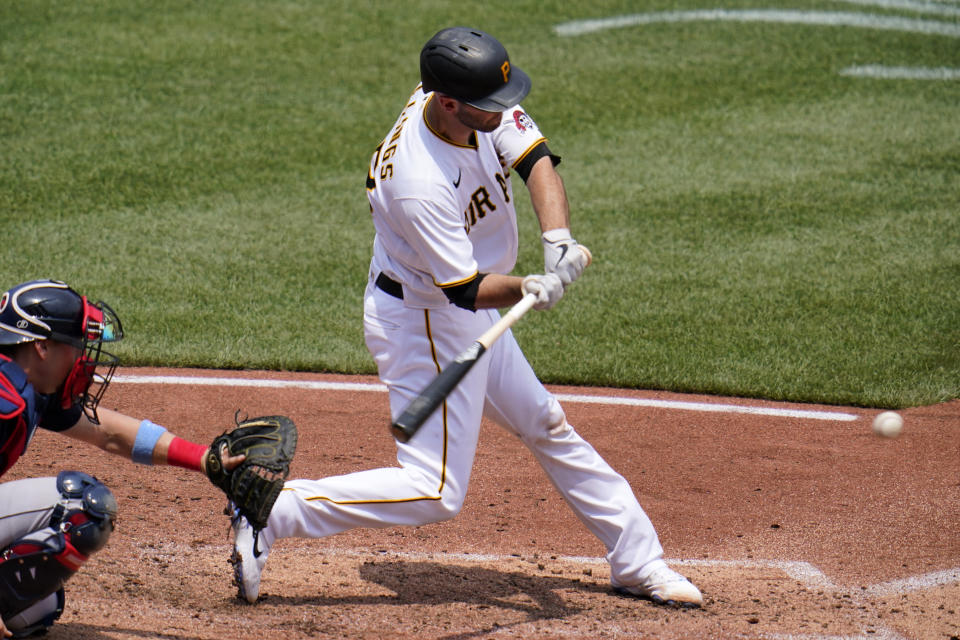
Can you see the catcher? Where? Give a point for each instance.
(53, 373)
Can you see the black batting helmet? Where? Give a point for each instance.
(473, 67)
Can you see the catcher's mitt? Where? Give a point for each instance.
(268, 443)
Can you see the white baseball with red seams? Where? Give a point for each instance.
(888, 424)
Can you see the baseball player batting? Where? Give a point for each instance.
(440, 187)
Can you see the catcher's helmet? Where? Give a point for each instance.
(473, 67)
(51, 310)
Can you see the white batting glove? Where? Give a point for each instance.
(562, 255)
(548, 289)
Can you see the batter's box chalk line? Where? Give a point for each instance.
(803, 572)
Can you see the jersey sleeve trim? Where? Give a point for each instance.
(528, 151)
(456, 283)
(524, 164)
(465, 295)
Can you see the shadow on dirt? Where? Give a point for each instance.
(432, 583)
(74, 631)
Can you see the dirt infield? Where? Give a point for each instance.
(792, 527)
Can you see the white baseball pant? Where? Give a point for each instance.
(409, 345)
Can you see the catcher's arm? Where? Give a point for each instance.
(124, 435)
(250, 463)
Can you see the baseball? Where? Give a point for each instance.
(888, 424)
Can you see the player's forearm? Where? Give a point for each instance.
(115, 433)
(548, 196)
(139, 440)
(497, 291)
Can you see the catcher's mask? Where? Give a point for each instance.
(473, 67)
(51, 310)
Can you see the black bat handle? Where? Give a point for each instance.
(423, 406)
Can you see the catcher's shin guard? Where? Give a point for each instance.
(38, 617)
(33, 568)
(36, 565)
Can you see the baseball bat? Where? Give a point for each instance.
(423, 406)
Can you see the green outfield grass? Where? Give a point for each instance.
(762, 224)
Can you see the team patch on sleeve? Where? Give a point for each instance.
(524, 123)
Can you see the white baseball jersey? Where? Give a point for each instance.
(443, 211)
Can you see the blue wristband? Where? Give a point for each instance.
(147, 437)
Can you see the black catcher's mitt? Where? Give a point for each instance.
(268, 443)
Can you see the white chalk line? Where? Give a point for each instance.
(943, 578)
(317, 385)
(822, 18)
(877, 634)
(709, 407)
(932, 8)
(803, 572)
(901, 73)
(825, 18)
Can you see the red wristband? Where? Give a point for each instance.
(186, 454)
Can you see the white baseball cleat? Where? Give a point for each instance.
(247, 559)
(666, 586)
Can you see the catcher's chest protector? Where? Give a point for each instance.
(17, 408)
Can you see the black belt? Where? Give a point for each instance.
(389, 285)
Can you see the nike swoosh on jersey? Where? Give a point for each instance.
(456, 182)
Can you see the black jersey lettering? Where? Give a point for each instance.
(386, 171)
(480, 203)
(502, 181)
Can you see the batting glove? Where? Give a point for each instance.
(548, 289)
(562, 255)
